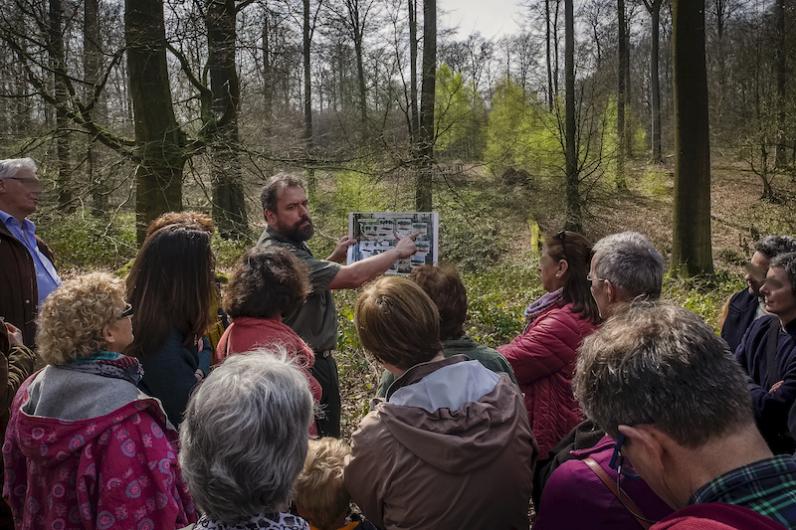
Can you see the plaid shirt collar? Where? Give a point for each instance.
(767, 486)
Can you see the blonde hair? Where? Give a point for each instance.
(72, 318)
(397, 322)
(319, 492)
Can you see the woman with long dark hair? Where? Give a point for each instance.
(171, 286)
(543, 355)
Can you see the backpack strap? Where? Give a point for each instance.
(626, 501)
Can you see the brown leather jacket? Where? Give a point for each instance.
(18, 293)
(449, 448)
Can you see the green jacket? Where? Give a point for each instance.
(464, 345)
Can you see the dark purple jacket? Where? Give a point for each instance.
(574, 497)
(771, 408)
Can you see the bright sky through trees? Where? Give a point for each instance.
(493, 18)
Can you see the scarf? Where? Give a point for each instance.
(108, 364)
(542, 304)
(261, 521)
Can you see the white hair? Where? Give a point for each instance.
(11, 166)
(244, 435)
(630, 261)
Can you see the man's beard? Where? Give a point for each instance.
(301, 231)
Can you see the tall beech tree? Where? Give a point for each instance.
(160, 143)
(621, 95)
(654, 9)
(423, 190)
(691, 245)
(229, 205)
(574, 214)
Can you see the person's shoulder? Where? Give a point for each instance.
(716, 516)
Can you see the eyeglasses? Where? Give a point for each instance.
(592, 278)
(32, 184)
(616, 463)
(126, 312)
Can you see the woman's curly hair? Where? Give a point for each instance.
(267, 282)
(72, 318)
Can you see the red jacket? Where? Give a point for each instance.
(716, 516)
(543, 358)
(248, 333)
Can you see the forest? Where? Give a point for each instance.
(674, 118)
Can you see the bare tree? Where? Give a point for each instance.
(423, 194)
(654, 9)
(691, 245)
(622, 58)
(58, 69)
(574, 215)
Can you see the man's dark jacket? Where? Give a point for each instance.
(18, 293)
(771, 407)
(741, 311)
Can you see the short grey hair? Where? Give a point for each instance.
(11, 166)
(773, 246)
(657, 363)
(244, 435)
(787, 262)
(630, 261)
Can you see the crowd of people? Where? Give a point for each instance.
(168, 401)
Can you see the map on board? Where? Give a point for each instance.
(378, 232)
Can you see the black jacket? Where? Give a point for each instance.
(741, 312)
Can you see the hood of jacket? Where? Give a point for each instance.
(58, 418)
(454, 414)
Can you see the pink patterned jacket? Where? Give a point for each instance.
(117, 470)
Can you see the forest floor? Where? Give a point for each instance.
(487, 230)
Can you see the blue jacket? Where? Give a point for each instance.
(771, 408)
(741, 311)
(169, 375)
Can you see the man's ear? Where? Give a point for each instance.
(645, 439)
(269, 216)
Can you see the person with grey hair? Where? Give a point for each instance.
(28, 274)
(768, 354)
(747, 305)
(665, 387)
(624, 267)
(286, 210)
(244, 440)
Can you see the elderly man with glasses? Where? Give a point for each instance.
(27, 275)
(666, 388)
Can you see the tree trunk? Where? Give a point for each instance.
(691, 246)
(268, 81)
(548, 60)
(555, 48)
(58, 65)
(92, 65)
(655, 83)
(414, 116)
(229, 204)
(621, 183)
(423, 191)
(306, 45)
(628, 97)
(574, 218)
(159, 138)
(363, 96)
(781, 66)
